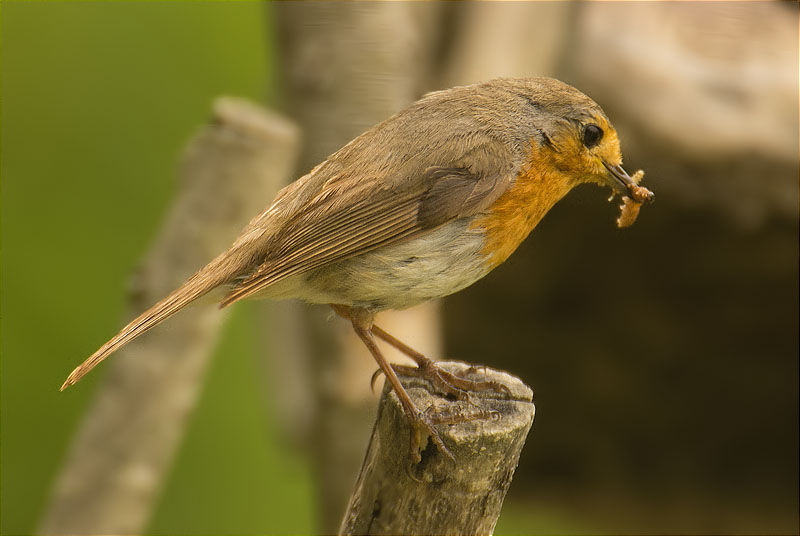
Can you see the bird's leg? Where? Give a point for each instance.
(446, 382)
(427, 368)
(362, 324)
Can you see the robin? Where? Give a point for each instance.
(418, 207)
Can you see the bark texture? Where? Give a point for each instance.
(438, 496)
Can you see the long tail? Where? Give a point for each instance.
(209, 277)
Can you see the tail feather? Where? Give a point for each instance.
(196, 286)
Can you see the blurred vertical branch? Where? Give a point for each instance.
(346, 67)
(509, 39)
(116, 465)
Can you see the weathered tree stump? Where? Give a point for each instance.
(485, 435)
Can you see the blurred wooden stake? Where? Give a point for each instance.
(493, 39)
(129, 435)
(346, 67)
(437, 496)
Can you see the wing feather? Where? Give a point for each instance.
(338, 224)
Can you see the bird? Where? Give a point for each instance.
(416, 208)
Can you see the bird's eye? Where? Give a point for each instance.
(592, 135)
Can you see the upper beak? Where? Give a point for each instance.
(620, 180)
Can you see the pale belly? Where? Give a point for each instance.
(439, 263)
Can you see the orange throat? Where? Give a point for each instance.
(539, 185)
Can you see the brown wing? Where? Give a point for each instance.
(336, 225)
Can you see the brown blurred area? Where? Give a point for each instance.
(664, 358)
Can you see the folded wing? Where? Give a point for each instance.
(338, 223)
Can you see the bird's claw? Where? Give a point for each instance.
(422, 427)
(448, 383)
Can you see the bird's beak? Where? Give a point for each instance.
(620, 181)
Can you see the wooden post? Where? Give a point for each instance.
(114, 472)
(438, 496)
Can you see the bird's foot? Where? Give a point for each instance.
(422, 431)
(447, 383)
(422, 424)
(422, 428)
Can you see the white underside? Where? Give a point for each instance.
(441, 262)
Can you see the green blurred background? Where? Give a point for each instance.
(98, 99)
(682, 415)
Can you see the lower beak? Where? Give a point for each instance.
(620, 181)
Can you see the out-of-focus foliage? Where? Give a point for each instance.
(97, 101)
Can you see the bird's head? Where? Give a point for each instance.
(580, 140)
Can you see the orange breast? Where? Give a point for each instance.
(539, 185)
